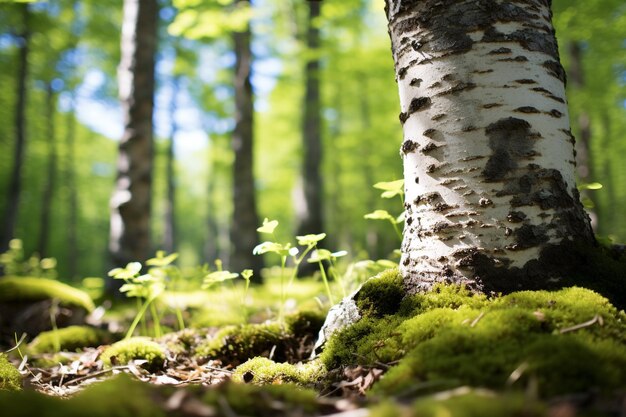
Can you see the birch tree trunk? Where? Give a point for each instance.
(131, 201)
(488, 153)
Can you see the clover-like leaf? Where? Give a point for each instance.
(319, 255)
(400, 218)
(266, 247)
(379, 215)
(339, 254)
(246, 274)
(590, 186)
(310, 240)
(390, 188)
(161, 259)
(131, 270)
(218, 276)
(386, 263)
(293, 251)
(268, 226)
(134, 290)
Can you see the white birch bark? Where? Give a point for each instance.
(488, 153)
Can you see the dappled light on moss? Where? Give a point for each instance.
(263, 371)
(141, 348)
(564, 341)
(13, 289)
(10, 378)
(69, 338)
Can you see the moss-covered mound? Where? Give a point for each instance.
(10, 378)
(141, 348)
(466, 402)
(69, 339)
(263, 371)
(118, 397)
(122, 396)
(16, 289)
(565, 341)
(236, 344)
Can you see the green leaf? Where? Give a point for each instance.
(266, 247)
(379, 215)
(161, 259)
(390, 185)
(131, 270)
(590, 186)
(339, 254)
(246, 274)
(268, 226)
(218, 276)
(310, 240)
(319, 255)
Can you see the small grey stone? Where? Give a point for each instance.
(339, 317)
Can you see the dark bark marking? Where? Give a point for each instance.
(429, 147)
(529, 236)
(555, 113)
(438, 117)
(527, 110)
(516, 216)
(402, 72)
(526, 81)
(519, 58)
(487, 71)
(417, 104)
(556, 70)
(461, 86)
(491, 105)
(415, 82)
(469, 128)
(548, 94)
(409, 146)
(509, 140)
(429, 133)
(436, 84)
(500, 51)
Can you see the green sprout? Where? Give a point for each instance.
(320, 255)
(147, 287)
(390, 190)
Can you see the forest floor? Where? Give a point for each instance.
(560, 354)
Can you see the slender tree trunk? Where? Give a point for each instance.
(72, 192)
(584, 162)
(243, 234)
(169, 236)
(15, 183)
(488, 154)
(131, 201)
(51, 171)
(310, 209)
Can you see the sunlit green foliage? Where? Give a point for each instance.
(34, 289)
(69, 338)
(10, 378)
(136, 348)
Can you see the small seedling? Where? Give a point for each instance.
(390, 190)
(147, 287)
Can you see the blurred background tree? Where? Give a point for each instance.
(62, 122)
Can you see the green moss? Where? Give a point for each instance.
(563, 342)
(34, 289)
(69, 339)
(120, 396)
(465, 403)
(124, 351)
(262, 371)
(236, 344)
(381, 295)
(307, 322)
(255, 401)
(10, 378)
